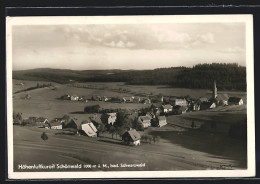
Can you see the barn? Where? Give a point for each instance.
(56, 125)
(235, 101)
(145, 120)
(131, 137)
(89, 129)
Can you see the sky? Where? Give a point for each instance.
(127, 46)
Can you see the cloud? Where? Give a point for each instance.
(232, 50)
(206, 38)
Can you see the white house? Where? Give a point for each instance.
(167, 108)
(74, 98)
(111, 118)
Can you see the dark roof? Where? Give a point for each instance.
(134, 134)
(234, 99)
(56, 124)
(161, 118)
(144, 118)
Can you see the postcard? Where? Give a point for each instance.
(164, 96)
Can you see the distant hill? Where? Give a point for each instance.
(61, 75)
(228, 76)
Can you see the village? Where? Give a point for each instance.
(127, 123)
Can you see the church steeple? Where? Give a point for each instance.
(215, 91)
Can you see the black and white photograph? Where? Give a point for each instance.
(130, 96)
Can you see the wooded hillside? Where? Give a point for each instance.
(228, 76)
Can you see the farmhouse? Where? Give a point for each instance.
(71, 124)
(131, 136)
(41, 121)
(96, 98)
(195, 107)
(162, 121)
(145, 120)
(83, 99)
(34, 121)
(181, 109)
(146, 101)
(136, 100)
(65, 97)
(208, 105)
(128, 99)
(89, 129)
(235, 101)
(104, 98)
(55, 125)
(167, 108)
(111, 118)
(74, 98)
(180, 102)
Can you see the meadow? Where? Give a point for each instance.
(180, 147)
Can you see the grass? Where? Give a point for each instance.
(180, 148)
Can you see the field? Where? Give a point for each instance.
(179, 148)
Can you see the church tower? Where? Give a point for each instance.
(215, 91)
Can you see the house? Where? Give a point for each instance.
(235, 101)
(208, 105)
(71, 124)
(104, 98)
(167, 108)
(195, 107)
(136, 100)
(203, 99)
(181, 109)
(146, 101)
(65, 97)
(74, 98)
(180, 102)
(128, 99)
(145, 120)
(111, 118)
(162, 121)
(96, 98)
(55, 125)
(222, 99)
(83, 99)
(131, 137)
(41, 122)
(89, 129)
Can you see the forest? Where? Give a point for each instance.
(229, 76)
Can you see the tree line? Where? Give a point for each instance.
(229, 76)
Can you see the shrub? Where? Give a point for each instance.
(92, 109)
(44, 136)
